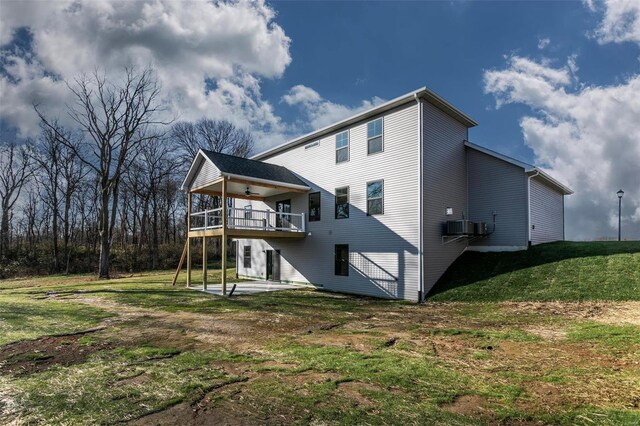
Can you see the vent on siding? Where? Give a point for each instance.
(312, 145)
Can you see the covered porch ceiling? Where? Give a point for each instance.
(248, 188)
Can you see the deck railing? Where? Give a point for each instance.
(260, 220)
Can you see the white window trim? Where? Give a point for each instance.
(381, 135)
(244, 257)
(380, 198)
(335, 200)
(348, 147)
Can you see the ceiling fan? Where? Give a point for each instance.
(248, 193)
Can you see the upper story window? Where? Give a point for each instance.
(375, 197)
(374, 136)
(342, 203)
(314, 207)
(342, 147)
(247, 211)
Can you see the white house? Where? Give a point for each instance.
(377, 204)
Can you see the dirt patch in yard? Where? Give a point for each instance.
(606, 312)
(33, 356)
(203, 413)
(467, 405)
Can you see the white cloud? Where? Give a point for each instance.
(587, 137)
(301, 94)
(620, 21)
(321, 112)
(233, 44)
(543, 42)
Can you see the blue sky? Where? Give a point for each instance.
(354, 50)
(551, 83)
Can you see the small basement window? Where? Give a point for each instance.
(342, 260)
(342, 147)
(375, 197)
(342, 203)
(246, 257)
(374, 136)
(314, 207)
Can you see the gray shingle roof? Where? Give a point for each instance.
(252, 168)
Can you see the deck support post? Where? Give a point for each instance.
(224, 237)
(189, 194)
(204, 263)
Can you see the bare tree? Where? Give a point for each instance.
(214, 135)
(158, 167)
(116, 117)
(15, 171)
(59, 174)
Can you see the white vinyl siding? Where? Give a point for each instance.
(445, 185)
(547, 213)
(383, 249)
(495, 185)
(207, 173)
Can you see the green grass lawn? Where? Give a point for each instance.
(566, 271)
(75, 350)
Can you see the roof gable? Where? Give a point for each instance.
(529, 169)
(224, 164)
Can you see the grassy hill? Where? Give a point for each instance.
(555, 271)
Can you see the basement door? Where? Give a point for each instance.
(273, 265)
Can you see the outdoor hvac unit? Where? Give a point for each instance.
(460, 227)
(480, 228)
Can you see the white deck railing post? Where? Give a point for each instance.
(304, 223)
(205, 220)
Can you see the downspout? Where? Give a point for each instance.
(421, 295)
(529, 205)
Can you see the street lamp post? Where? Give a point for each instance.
(620, 194)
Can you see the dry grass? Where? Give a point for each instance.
(165, 355)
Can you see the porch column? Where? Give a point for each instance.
(224, 237)
(204, 261)
(188, 239)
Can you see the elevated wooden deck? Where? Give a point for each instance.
(245, 233)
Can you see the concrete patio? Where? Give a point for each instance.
(248, 287)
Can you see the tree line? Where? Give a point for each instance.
(103, 192)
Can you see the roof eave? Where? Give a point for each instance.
(423, 93)
(527, 167)
(539, 172)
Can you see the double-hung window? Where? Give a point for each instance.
(342, 147)
(374, 136)
(314, 207)
(342, 259)
(342, 202)
(375, 197)
(247, 212)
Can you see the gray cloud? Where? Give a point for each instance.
(234, 43)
